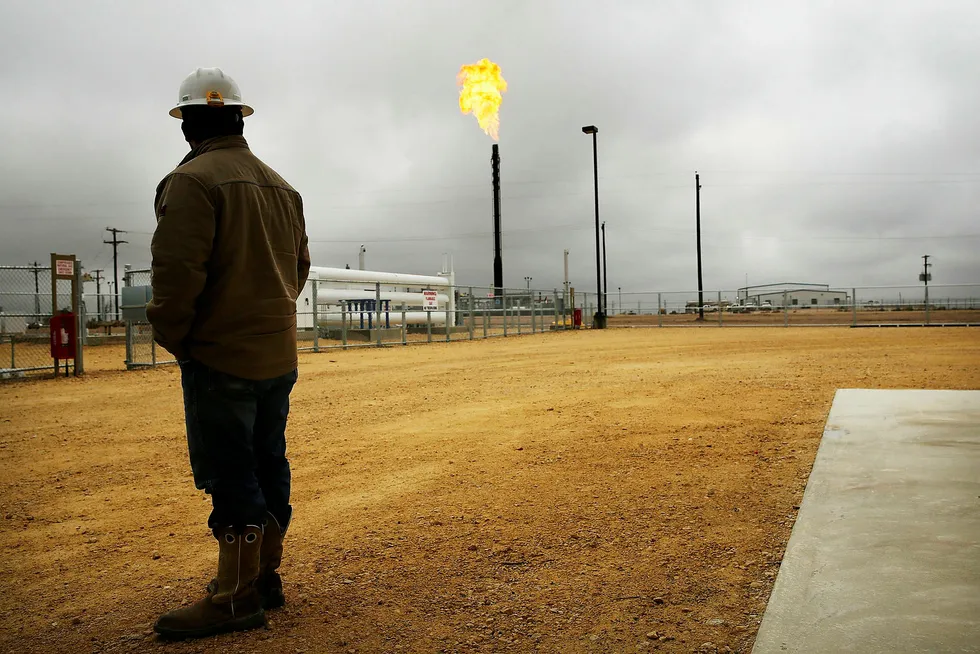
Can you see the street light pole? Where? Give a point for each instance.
(599, 322)
(605, 274)
(697, 191)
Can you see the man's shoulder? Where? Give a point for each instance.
(232, 166)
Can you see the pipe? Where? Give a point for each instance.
(343, 275)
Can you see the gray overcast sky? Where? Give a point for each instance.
(837, 141)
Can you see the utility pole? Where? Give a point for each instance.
(924, 278)
(98, 291)
(564, 301)
(115, 242)
(697, 191)
(37, 297)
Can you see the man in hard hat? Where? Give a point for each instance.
(230, 256)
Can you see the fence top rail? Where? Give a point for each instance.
(27, 268)
(708, 291)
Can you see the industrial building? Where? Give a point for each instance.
(793, 294)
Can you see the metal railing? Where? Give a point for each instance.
(941, 305)
(340, 314)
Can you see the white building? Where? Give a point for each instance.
(794, 294)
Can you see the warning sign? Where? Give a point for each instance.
(430, 300)
(64, 267)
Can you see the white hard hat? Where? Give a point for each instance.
(211, 87)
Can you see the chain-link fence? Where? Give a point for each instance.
(341, 314)
(25, 314)
(141, 349)
(344, 314)
(884, 306)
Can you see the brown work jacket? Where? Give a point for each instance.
(230, 255)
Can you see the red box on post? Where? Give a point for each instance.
(63, 336)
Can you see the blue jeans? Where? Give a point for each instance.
(236, 438)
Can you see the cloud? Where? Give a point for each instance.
(836, 142)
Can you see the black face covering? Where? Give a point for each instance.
(202, 122)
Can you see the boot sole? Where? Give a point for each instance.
(245, 623)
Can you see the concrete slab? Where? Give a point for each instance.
(885, 553)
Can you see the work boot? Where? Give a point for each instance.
(269, 583)
(234, 605)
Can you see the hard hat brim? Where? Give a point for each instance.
(176, 113)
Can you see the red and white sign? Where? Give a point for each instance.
(64, 267)
(430, 300)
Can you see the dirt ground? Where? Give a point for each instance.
(626, 490)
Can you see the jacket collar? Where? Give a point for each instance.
(217, 143)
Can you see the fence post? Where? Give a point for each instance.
(555, 298)
(720, 312)
(927, 303)
(81, 320)
(854, 307)
(448, 321)
(129, 328)
(316, 315)
(785, 311)
(486, 320)
(520, 318)
(343, 323)
(472, 300)
(428, 325)
(377, 310)
(404, 326)
(503, 304)
(533, 325)
(13, 358)
(660, 317)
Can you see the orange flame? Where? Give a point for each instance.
(481, 85)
